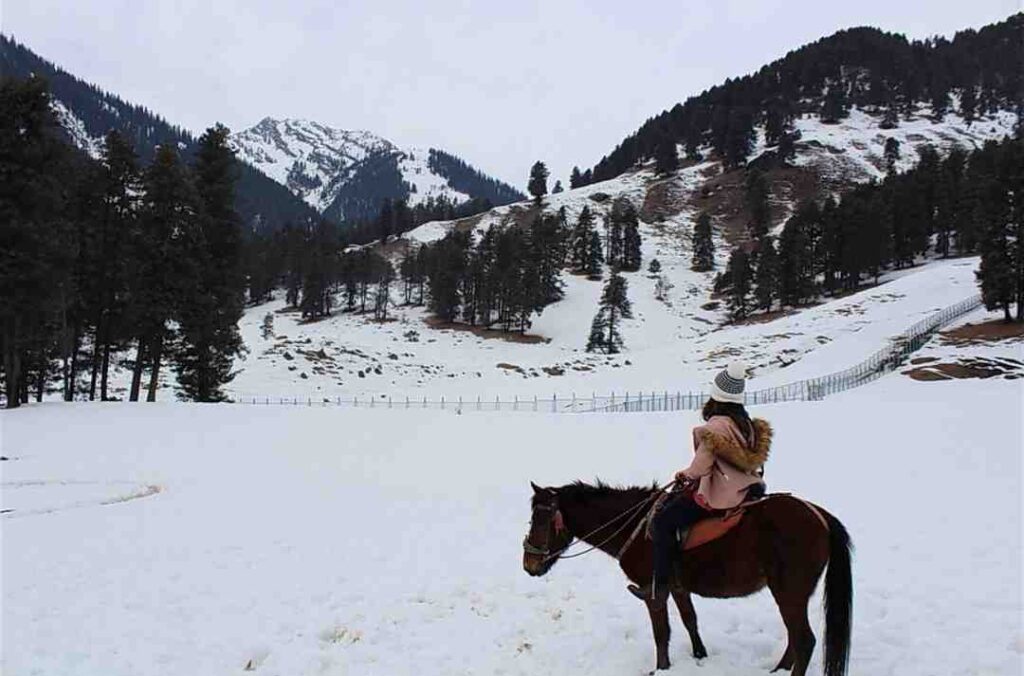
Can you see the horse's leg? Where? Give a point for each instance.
(786, 663)
(793, 606)
(689, 615)
(659, 623)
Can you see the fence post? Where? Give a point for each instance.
(535, 403)
(478, 402)
(442, 402)
(554, 403)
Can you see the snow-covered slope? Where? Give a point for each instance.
(338, 541)
(314, 161)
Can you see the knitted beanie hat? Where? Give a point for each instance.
(728, 385)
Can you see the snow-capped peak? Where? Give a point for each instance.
(315, 161)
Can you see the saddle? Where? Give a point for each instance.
(717, 525)
(712, 528)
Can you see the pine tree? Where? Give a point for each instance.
(209, 315)
(890, 116)
(107, 292)
(892, 154)
(538, 184)
(627, 244)
(614, 306)
(31, 235)
(703, 245)
(575, 178)
(740, 281)
(666, 157)
(796, 263)
(385, 276)
(756, 198)
(766, 278)
(834, 107)
(579, 246)
(654, 267)
(558, 188)
(969, 104)
(592, 266)
(168, 219)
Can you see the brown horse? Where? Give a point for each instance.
(782, 542)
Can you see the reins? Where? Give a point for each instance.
(624, 515)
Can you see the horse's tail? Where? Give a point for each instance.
(838, 598)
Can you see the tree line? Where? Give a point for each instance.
(965, 203)
(107, 262)
(976, 73)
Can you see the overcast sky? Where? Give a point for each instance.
(500, 84)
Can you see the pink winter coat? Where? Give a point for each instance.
(724, 463)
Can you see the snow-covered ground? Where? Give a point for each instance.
(339, 541)
(674, 346)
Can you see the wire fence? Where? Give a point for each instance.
(878, 364)
(885, 360)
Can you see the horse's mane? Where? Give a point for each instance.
(579, 491)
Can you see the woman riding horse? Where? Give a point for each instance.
(730, 450)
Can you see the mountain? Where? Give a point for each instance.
(292, 171)
(975, 73)
(346, 175)
(816, 122)
(87, 113)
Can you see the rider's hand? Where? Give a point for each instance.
(681, 477)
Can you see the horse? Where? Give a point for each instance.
(781, 542)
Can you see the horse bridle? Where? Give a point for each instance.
(555, 525)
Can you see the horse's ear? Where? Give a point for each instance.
(536, 489)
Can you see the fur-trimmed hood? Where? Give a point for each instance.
(720, 436)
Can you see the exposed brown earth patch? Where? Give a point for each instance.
(483, 332)
(987, 332)
(974, 367)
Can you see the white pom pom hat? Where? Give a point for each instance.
(729, 384)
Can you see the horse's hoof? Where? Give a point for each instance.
(700, 654)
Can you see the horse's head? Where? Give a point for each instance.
(548, 536)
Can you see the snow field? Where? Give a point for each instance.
(334, 541)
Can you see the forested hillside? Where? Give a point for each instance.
(974, 73)
(262, 203)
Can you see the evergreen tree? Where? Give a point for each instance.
(654, 267)
(756, 198)
(385, 276)
(575, 178)
(796, 264)
(538, 184)
(703, 245)
(614, 306)
(892, 154)
(629, 258)
(834, 107)
(969, 104)
(579, 246)
(166, 273)
(30, 234)
(890, 116)
(766, 278)
(106, 292)
(741, 279)
(558, 188)
(592, 266)
(319, 272)
(209, 312)
(666, 157)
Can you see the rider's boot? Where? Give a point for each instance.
(655, 592)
